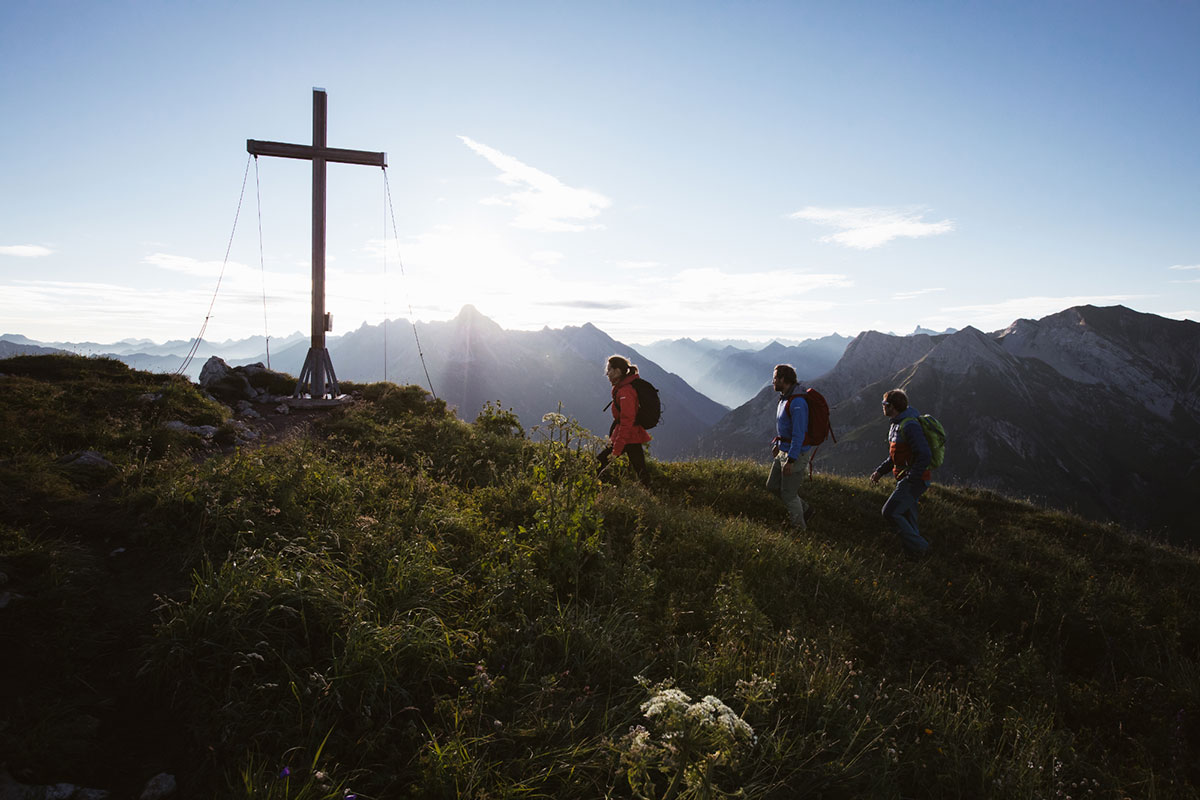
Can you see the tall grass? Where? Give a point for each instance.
(403, 604)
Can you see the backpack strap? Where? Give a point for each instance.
(788, 403)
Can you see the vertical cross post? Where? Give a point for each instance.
(318, 367)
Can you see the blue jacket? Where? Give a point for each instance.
(790, 428)
(908, 449)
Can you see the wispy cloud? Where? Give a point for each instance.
(866, 228)
(588, 305)
(1184, 268)
(542, 202)
(915, 293)
(186, 265)
(25, 250)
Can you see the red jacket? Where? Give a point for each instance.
(624, 410)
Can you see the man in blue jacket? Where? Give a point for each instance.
(908, 459)
(791, 423)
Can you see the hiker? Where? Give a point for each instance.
(791, 424)
(625, 435)
(908, 459)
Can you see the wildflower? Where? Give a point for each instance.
(666, 702)
(481, 679)
(929, 732)
(285, 772)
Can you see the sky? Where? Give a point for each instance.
(730, 170)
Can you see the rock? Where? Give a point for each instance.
(12, 790)
(225, 384)
(88, 465)
(160, 786)
(203, 431)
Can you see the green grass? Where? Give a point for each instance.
(401, 604)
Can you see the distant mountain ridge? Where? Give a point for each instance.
(147, 355)
(1096, 410)
(473, 361)
(732, 374)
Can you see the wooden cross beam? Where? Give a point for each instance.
(317, 364)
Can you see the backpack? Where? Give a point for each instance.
(819, 425)
(649, 410)
(935, 434)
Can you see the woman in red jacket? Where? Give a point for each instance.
(625, 435)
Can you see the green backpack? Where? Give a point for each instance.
(935, 434)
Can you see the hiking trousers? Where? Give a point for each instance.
(788, 488)
(901, 510)
(637, 460)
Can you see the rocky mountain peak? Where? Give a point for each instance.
(967, 350)
(870, 356)
(1158, 359)
(469, 315)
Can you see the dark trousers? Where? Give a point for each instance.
(637, 460)
(901, 510)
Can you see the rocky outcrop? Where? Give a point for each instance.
(249, 382)
(224, 382)
(87, 467)
(1117, 347)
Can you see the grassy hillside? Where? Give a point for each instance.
(393, 603)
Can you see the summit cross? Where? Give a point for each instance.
(318, 367)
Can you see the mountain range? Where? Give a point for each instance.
(731, 373)
(471, 361)
(150, 356)
(1093, 410)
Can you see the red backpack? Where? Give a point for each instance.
(819, 426)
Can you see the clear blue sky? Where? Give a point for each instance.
(660, 169)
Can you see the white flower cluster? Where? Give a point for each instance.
(710, 716)
(712, 713)
(666, 703)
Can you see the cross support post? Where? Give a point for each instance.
(318, 371)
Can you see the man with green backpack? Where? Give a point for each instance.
(915, 443)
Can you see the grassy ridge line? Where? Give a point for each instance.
(407, 604)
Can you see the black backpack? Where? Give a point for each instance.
(649, 407)
(649, 411)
